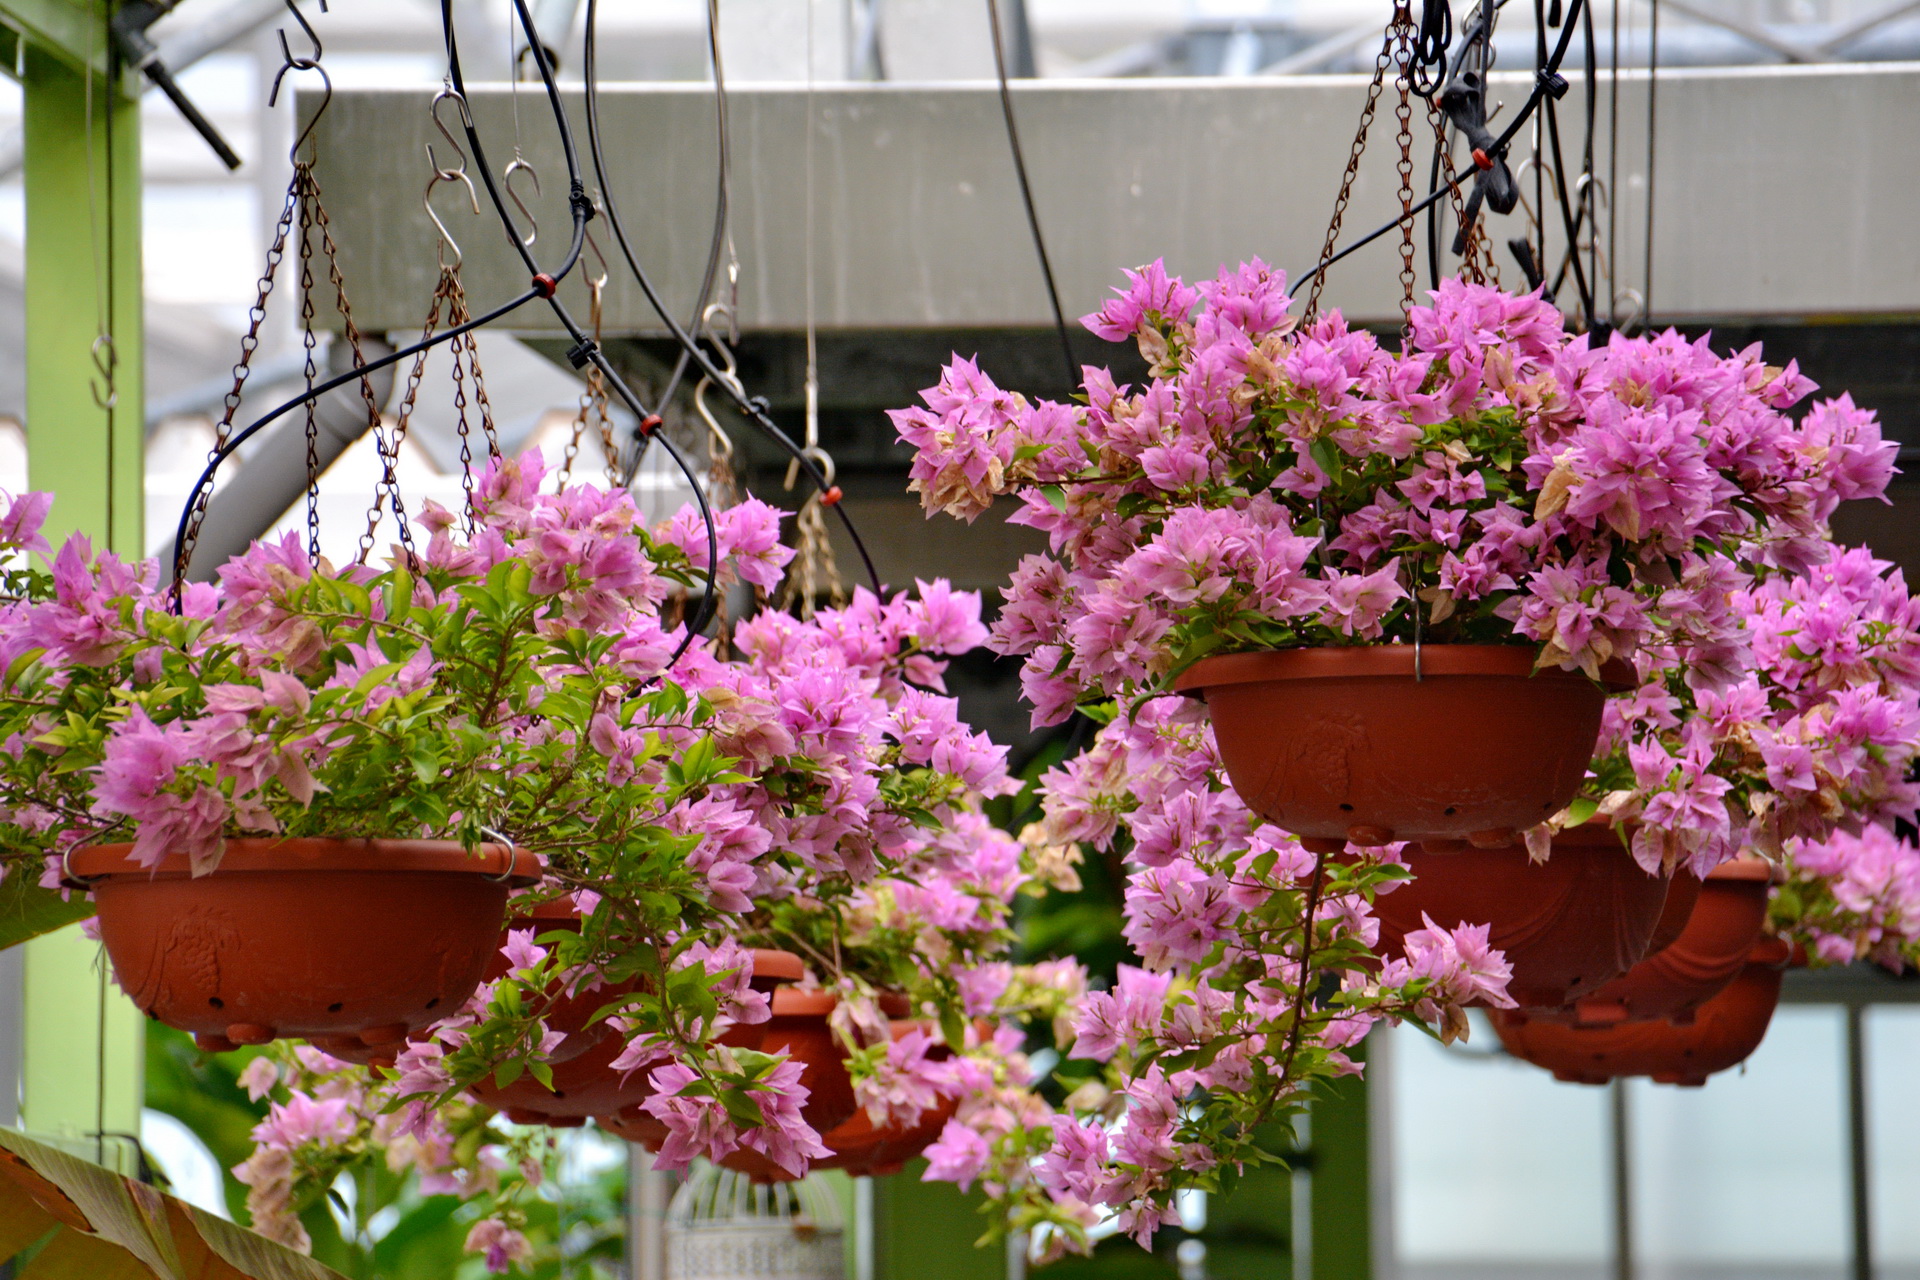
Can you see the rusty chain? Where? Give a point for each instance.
(1400, 33)
(1380, 65)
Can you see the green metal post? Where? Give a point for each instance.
(923, 1230)
(85, 439)
(1342, 1182)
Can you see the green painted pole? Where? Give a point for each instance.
(927, 1231)
(1342, 1206)
(81, 1075)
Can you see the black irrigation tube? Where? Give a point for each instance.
(1546, 79)
(754, 409)
(585, 349)
(358, 372)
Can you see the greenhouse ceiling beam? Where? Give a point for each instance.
(1782, 192)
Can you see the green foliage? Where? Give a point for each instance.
(27, 910)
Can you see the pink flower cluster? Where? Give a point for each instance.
(1274, 485)
(1852, 897)
(1812, 727)
(1215, 1028)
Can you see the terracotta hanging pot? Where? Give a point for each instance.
(588, 1085)
(859, 1147)
(362, 939)
(1349, 743)
(1726, 920)
(1568, 925)
(569, 1015)
(1722, 1032)
(1683, 892)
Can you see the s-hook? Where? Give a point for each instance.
(519, 165)
(443, 174)
(310, 63)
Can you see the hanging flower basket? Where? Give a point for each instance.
(1673, 982)
(588, 1085)
(1375, 743)
(366, 939)
(1722, 1032)
(799, 1028)
(1568, 925)
(1683, 894)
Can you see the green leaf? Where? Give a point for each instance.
(1581, 809)
(27, 910)
(1324, 452)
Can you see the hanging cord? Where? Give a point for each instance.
(104, 355)
(722, 197)
(754, 408)
(593, 396)
(1026, 194)
(1653, 105)
(1547, 81)
(546, 285)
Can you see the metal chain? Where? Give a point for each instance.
(1402, 32)
(466, 362)
(388, 487)
(249, 344)
(350, 333)
(1380, 65)
(593, 401)
(311, 372)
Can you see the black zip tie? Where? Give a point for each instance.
(581, 355)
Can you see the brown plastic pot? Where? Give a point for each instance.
(569, 1015)
(1568, 925)
(1730, 910)
(858, 1146)
(1347, 744)
(588, 1086)
(368, 939)
(1722, 1033)
(1683, 893)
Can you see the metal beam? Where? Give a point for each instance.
(919, 223)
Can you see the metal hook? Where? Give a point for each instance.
(519, 165)
(599, 282)
(426, 202)
(466, 119)
(723, 443)
(106, 360)
(730, 373)
(311, 63)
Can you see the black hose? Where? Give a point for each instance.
(754, 409)
(1547, 78)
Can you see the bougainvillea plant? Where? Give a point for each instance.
(1278, 485)
(1851, 897)
(1814, 730)
(1237, 1008)
(804, 785)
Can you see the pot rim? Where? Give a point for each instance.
(1743, 867)
(1383, 661)
(516, 867)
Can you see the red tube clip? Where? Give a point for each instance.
(831, 498)
(649, 424)
(1482, 159)
(544, 285)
